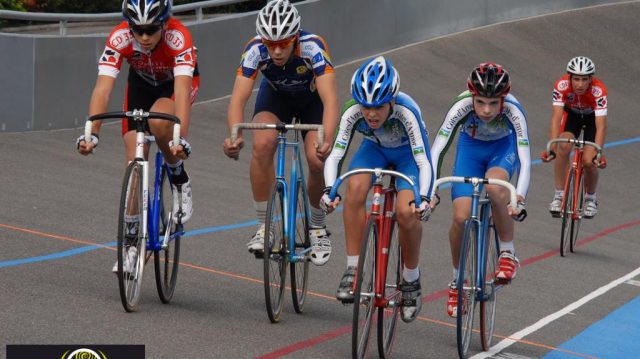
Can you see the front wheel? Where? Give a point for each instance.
(577, 218)
(167, 259)
(567, 212)
(131, 242)
(466, 288)
(364, 296)
(300, 268)
(388, 317)
(275, 253)
(489, 290)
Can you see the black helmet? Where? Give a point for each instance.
(489, 80)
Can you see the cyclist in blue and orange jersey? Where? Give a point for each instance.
(579, 104)
(394, 136)
(493, 143)
(163, 77)
(299, 80)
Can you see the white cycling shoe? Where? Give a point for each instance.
(182, 197)
(320, 246)
(129, 261)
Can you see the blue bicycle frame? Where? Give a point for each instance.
(154, 215)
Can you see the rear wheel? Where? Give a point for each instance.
(488, 305)
(275, 254)
(466, 288)
(575, 221)
(363, 301)
(300, 269)
(166, 260)
(567, 213)
(131, 247)
(388, 317)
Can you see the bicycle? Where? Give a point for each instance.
(158, 233)
(287, 222)
(571, 208)
(479, 254)
(380, 258)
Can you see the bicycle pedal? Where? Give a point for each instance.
(346, 302)
(258, 254)
(499, 281)
(555, 214)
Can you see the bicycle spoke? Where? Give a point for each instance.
(275, 254)
(489, 290)
(466, 288)
(166, 260)
(364, 308)
(567, 213)
(300, 269)
(388, 317)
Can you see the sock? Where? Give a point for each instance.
(455, 275)
(507, 246)
(178, 174)
(318, 218)
(410, 275)
(559, 193)
(590, 196)
(352, 261)
(261, 211)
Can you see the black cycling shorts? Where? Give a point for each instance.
(575, 123)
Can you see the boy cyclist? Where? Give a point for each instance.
(579, 104)
(493, 143)
(163, 77)
(394, 135)
(299, 80)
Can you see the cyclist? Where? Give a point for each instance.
(493, 143)
(299, 80)
(163, 77)
(579, 104)
(394, 136)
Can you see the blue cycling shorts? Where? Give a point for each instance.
(371, 155)
(475, 157)
(308, 108)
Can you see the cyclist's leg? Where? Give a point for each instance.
(591, 173)
(569, 128)
(410, 235)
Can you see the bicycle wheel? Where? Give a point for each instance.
(575, 220)
(567, 212)
(489, 290)
(131, 249)
(300, 269)
(388, 317)
(363, 307)
(166, 260)
(275, 253)
(466, 288)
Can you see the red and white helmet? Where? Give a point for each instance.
(581, 65)
(278, 20)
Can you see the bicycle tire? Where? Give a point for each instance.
(275, 253)
(489, 302)
(566, 213)
(363, 301)
(577, 219)
(466, 288)
(167, 260)
(130, 284)
(300, 269)
(388, 317)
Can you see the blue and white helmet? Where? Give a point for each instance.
(581, 65)
(375, 83)
(146, 12)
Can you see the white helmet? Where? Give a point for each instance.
(278, 20)
(581, 65)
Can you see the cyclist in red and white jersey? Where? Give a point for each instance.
(298, 80)
(163, 77)
(579, 104)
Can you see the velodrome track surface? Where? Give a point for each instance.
(58, 222)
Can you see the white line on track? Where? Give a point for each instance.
(513, 338)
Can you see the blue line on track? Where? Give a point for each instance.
(207, 230)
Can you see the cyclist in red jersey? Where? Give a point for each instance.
(163, 77)
(298, 80)
(579, 104)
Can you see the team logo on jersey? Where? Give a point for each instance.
(443, 133)
(301, 70)
(109, 57)
(523, 142)
(185, 58)
(596, 91)
(557, 96)
(120, 39)
(602, 102)
(174, 39)
(571, 97)
(563, 85)
(418, 150)
(341, 145)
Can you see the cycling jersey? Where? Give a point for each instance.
(593, 101)
(510, 124)
(173, 56)
(297, 77)
(403, 134)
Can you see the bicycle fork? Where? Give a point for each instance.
(384, 242)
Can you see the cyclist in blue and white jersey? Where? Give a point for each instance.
(299, 80)
(394, 135)
(493, 143)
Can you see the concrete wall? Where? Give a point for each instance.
(46, 81)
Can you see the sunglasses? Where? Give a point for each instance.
(283, 44)
(146, 29)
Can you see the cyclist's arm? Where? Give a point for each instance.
(348, 123)
(462, 106)
(326, 87)
(182, 91)
(556, 119)
(601, 130)
(239, 96)
(518, 120)
(100, 98)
